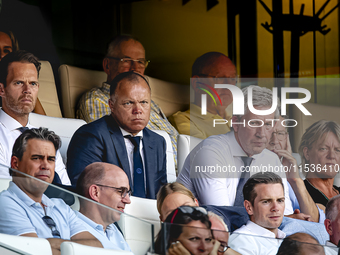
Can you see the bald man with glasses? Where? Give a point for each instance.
(109, 185)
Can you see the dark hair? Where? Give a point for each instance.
(174, 223)
(15, 44)
(296, 244)
(21, 56)
(93, 173)
(35, 133)
(259, 178)
(207, 59)
(130, 76)
(116, 42)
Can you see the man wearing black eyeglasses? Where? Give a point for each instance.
(25, 210)
(106, 184)
(209, 69)
(125, 53)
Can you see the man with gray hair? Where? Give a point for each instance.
(216, 169)
(25, 210)
(332, 221)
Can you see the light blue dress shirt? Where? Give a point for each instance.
(110, 239)
(19, 215)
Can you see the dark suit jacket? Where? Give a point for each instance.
(102, 141)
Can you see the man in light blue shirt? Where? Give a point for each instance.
(25, 210)
(109, 185)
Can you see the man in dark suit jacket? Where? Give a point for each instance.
(106, 140)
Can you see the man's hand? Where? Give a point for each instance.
(300, 216)
(288, 160)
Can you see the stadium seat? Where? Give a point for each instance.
(48, 95)
(63, 127)
(70, 248)
(170, 163)
(185, 143)
(24, 245)
(143, 227)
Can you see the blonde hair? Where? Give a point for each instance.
(314, 133)
(170, 188)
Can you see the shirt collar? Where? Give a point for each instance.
(329, 243)
(9, 122)
(106, 88)
(13, 188)
(261, 231)
(125, 133)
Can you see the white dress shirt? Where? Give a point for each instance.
(219, 188)
(254, 239)
(331, 248)
(130, 148)
(8, 134)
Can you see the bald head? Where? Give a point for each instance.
(213, 64)
(95, 173)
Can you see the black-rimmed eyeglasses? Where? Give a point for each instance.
(126, 62)
(51, 224)
(122, 190)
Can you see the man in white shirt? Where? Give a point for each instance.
(264, 201)
(332, 222)
(214, 170)
(109, 185)
(19, 88)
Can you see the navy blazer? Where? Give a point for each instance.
(103, 141)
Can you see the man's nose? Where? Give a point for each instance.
(2, 54)
(260, 131)
(126, 199)
(133, 65)
(26, 88)
(275, 206)
(137, 109)
(273, 139)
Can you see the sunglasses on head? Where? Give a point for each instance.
(189, 210)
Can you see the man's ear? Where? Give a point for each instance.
(328, 226)
(94, 192)
(196, 202)
(306, 153)
(194, 84)
(248, 207)
(2, 89)
(111, 105)
(106, 66)
(14, 162)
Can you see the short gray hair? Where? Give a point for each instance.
(219, 218)
(332, 208)
(262, 97)
(116, 42)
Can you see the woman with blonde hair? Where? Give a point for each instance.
(320, 155)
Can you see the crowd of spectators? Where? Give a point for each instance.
(116, 155)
